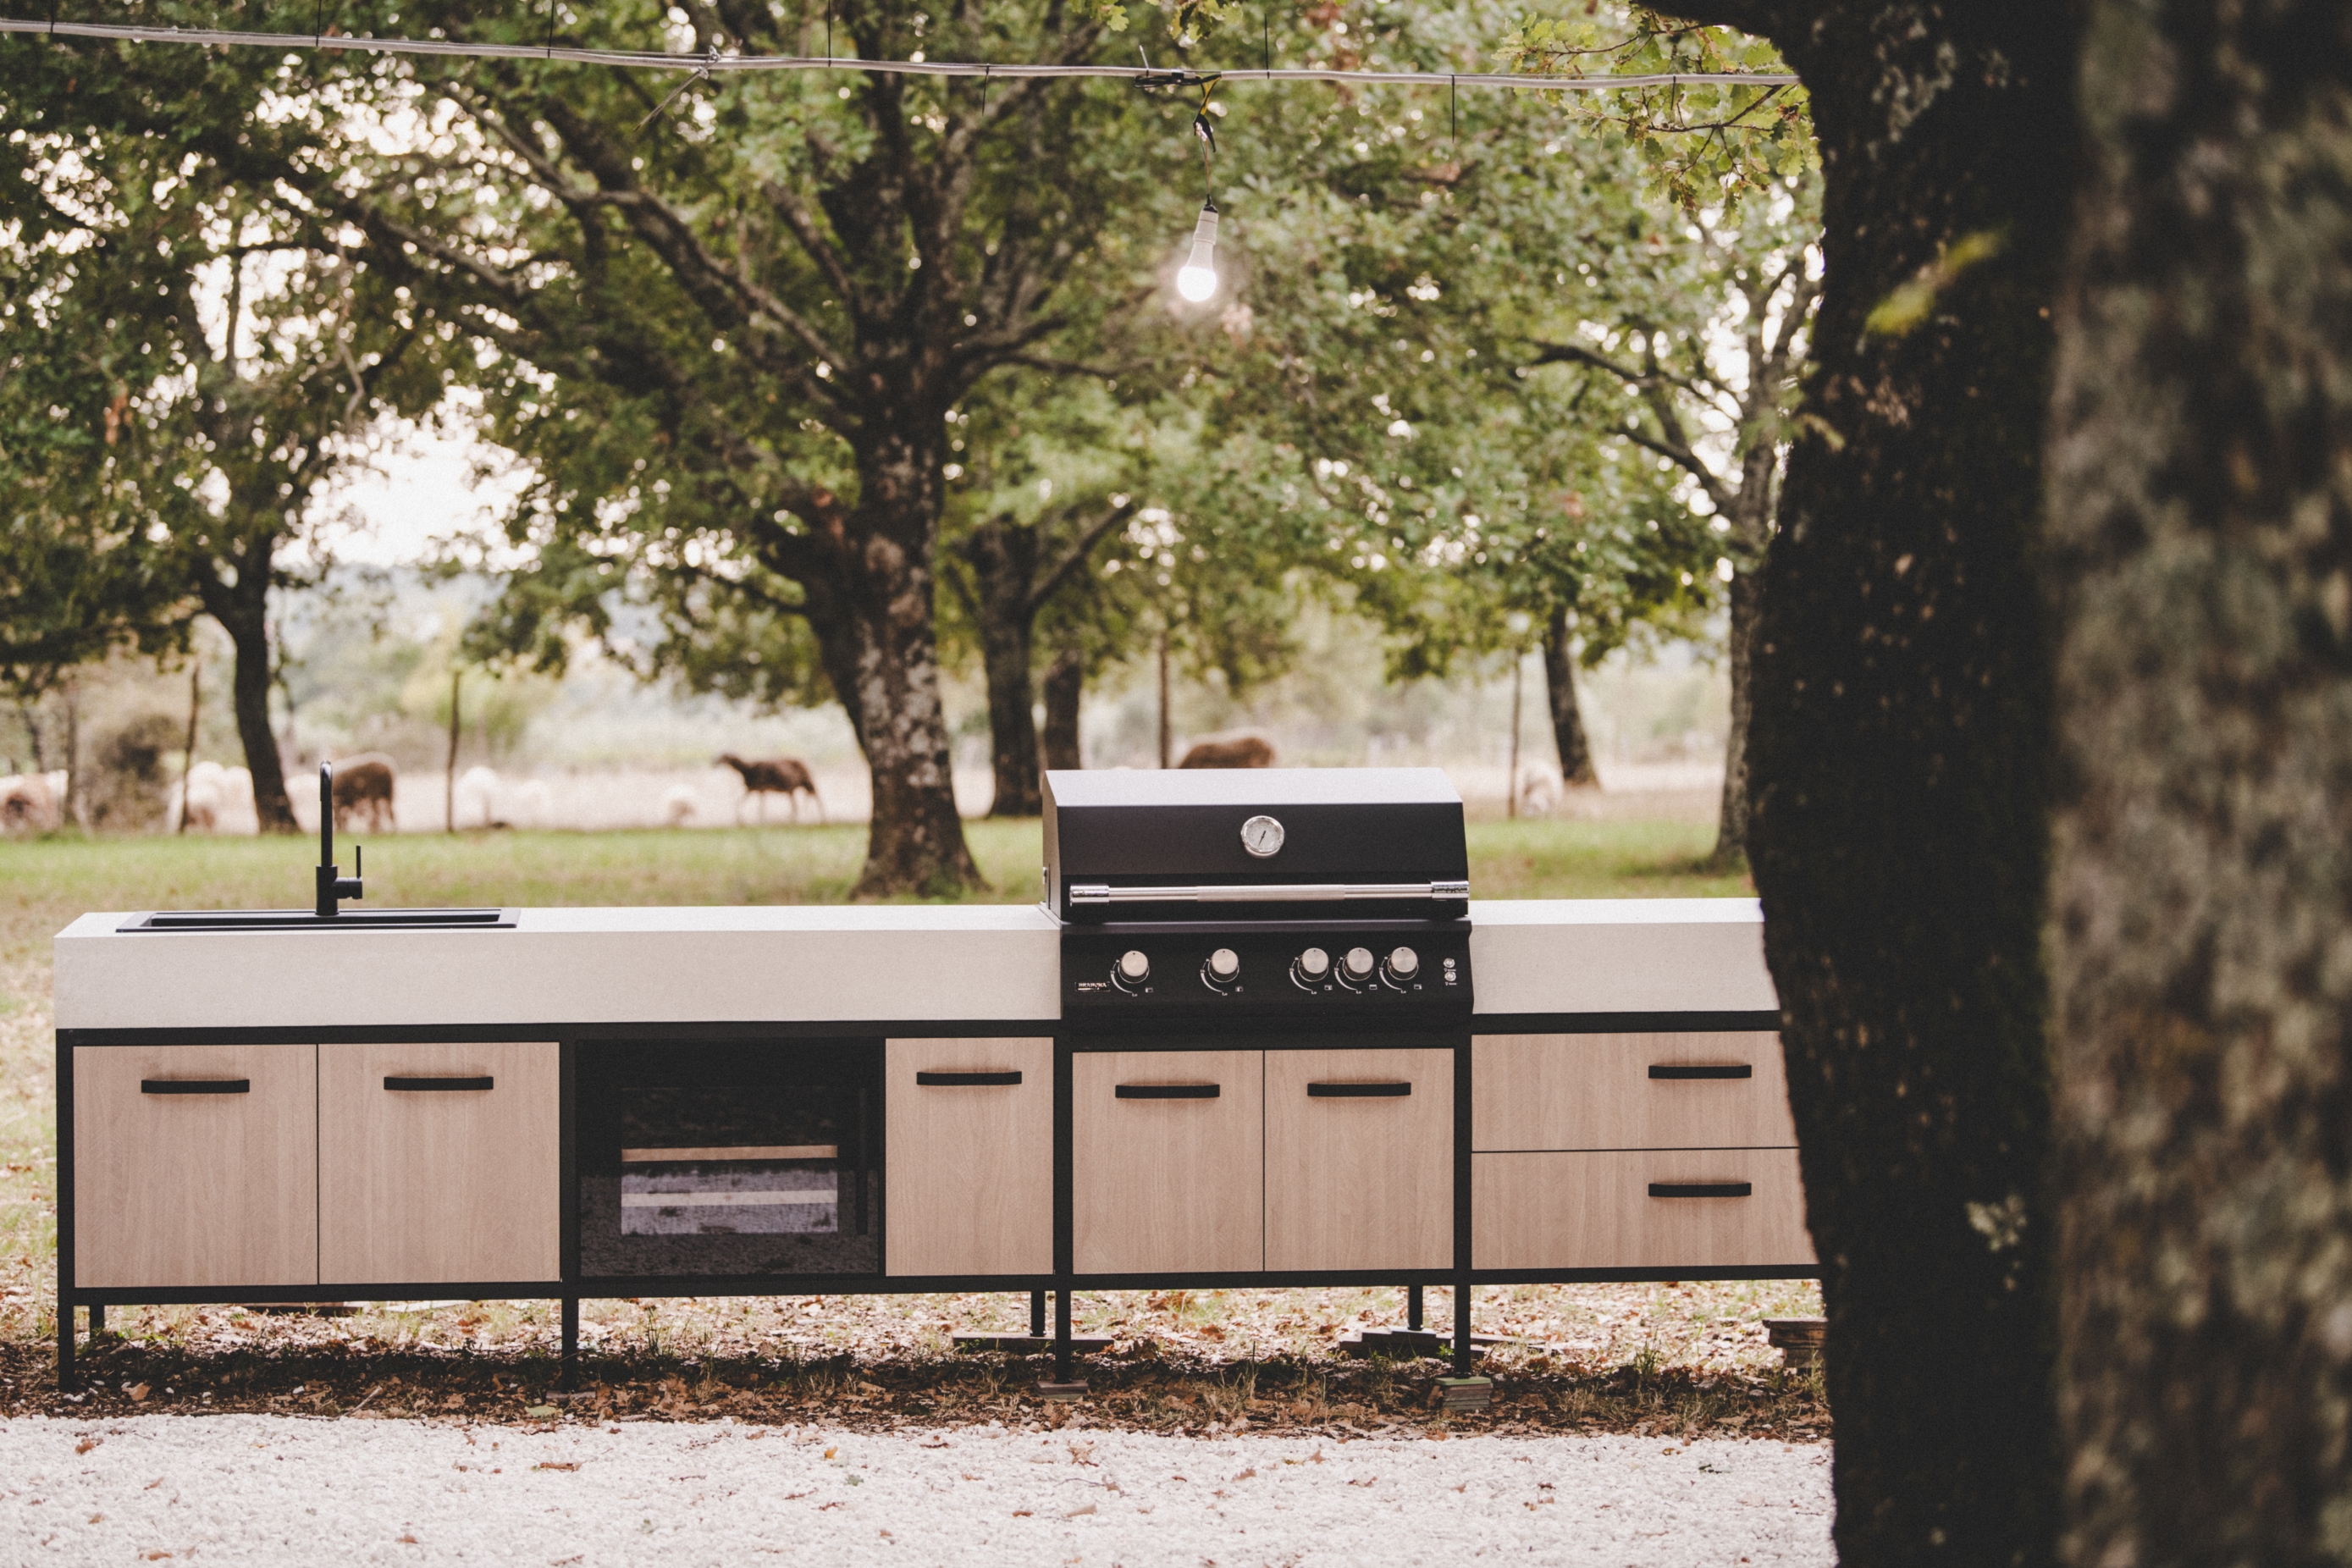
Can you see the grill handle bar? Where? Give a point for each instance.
(1270, 893)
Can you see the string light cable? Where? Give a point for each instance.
(706, 64)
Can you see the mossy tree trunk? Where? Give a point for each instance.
(1897, 762)
(2200, 519)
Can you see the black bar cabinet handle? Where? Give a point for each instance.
(1702, 1189)
(1358, 1091)
(1725, 1069)
(196, 1085)
(965, 1079)
(437, 1084)
(1166, 1091)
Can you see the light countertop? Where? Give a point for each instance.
(820, 964)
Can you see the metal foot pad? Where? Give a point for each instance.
(1467, 1394)
(1070, 1392)
(1027, 1345)
(1799, 1339)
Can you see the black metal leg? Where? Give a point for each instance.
(1036, 1314)
(1465, 1359)
(569, 1377)
(1413, 1308)
(97, 1322)
(66, 1383)
(1061, 1336)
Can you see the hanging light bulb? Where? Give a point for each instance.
(1198, 278)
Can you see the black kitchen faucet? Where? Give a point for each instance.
(333, 887)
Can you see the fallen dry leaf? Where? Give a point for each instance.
(557, 1464)
(87, 1444)
(1077, 1512)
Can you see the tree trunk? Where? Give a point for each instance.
(1004, 558)
(1066, 683)
(870, 603)
(1731, 817)
(1898, 753)
(1166, 730)
(188, 757)
(2202, 575)
(242, 610)
(1576, 769)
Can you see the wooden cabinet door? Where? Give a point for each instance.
(1688, 1091)
(195, 1165)
(439, 1164)
(1691, 1208)
(971, 1152)
(1167, 1156)
(1358, 1160)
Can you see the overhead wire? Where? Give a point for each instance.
(707, 64)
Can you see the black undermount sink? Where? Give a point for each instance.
(333, 887)
(306, 919)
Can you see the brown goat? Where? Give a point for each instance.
(363, 793)
(1248, 751)
(785, 776)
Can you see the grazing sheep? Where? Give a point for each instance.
(199, 799)
(677, 805)
(477, 797)
(28, 804)
(781, 775)
(1538, 793)
(1245, 752)
(362, 793)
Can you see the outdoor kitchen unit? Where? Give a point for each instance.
(1254, 1033)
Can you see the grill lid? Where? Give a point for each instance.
(1195, 844)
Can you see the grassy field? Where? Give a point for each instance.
(1652, 1336)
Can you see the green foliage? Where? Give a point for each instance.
(188, 348)
(1703, 146)
(1371, 400)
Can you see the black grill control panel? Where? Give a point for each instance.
(1398, 971)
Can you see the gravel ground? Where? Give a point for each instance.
(280, 1489)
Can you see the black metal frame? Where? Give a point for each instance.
(571, 1289)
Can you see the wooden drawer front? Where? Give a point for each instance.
(1597, 1091)
(1168, 1185)
(193, 1189)
(1597, 1210)
(438, 1180)
(1359, 1180)
(971, 1163)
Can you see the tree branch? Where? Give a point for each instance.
(1075, 555)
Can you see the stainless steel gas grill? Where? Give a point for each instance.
(1265, 995)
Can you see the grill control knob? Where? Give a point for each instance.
(1311, 969)
(1402, 966)
(1131, 970)
(1225, 965)
(1358, 965)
